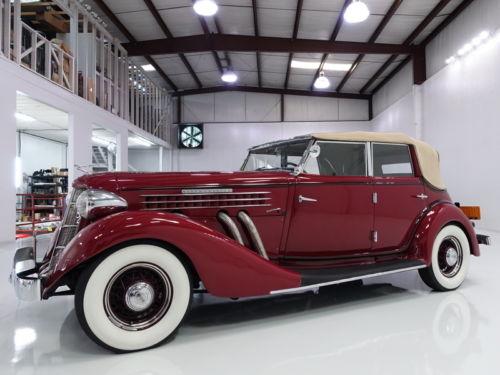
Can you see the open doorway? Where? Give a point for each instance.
(104, 148)
(41, 169)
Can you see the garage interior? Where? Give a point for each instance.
(110, 85)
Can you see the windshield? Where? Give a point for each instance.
(285, 155)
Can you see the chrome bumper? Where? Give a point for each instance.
(24, 277)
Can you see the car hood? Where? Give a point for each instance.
(116, 181)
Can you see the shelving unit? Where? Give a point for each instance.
(38, 213)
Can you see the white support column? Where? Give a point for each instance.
(418, 110)
(161, 151)
(79, 146)
(122, 151)
(7, 162)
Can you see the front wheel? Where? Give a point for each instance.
(450, 260)
(134, 298)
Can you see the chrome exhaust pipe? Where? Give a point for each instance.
(254, 233)
(231, 226)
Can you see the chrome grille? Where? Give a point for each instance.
(69, 225)
(158, 202)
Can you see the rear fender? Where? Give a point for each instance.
(437, 217)
(226, 268)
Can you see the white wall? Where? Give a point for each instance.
(32, 147)
(144, 159)
(226, 144)
(459, 110)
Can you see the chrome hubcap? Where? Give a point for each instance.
(451, 256)
(139, 296)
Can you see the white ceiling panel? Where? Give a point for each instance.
(184, 81)
(182, 21)
(354, 85)
(273, 63)
(323, 5)
(273, 79)
(317, 25)
(275, 22)
(359, 32)
(236, 20)
(416, 7)
(141, 25)
(210, 79)
(122, 6)
(171, 64)
(169, 4)
(399, 28)
(366, 70)
(277, 4)
(246, 61)
(202, 62)
(300, 81)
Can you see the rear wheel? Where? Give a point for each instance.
(450, 260)
(134, 298)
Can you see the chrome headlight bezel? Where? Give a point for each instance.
(94, 199)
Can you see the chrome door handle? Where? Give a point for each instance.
(421, 196)
(306, 199)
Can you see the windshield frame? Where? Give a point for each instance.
(306, 139)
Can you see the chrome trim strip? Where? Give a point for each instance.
(207, 191)
(203, 207)
(184, 195)
(208, 200)
(368, 276)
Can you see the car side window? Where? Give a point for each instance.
(391, 160)
(338, 159)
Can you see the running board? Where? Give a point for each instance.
(314, 279)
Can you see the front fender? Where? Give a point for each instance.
(226, 268)
(438, 216)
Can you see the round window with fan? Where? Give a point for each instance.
(191, 136)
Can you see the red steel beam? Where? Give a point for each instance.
(247, 43)
(269, 90)
(256, 32)
(296, 24)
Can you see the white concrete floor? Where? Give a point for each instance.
(392, 325)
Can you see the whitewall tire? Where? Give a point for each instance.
(134, 298)
(450, 260)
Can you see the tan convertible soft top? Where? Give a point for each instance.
(428, 157)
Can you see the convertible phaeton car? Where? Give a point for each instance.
(302, 213)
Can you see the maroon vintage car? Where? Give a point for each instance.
(302, 213)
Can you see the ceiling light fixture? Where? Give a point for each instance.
(475, 43)
(322, 82)
(23, 117)
(338, 67)
(139, 141)
(148, 68)
(100, 141)
(229, 76)
(356, 12)
(205, 8)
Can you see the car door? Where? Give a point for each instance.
(400, 195)
(332, 209)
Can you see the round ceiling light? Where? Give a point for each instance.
(205, 8)
(356, 12)
(229, 76)
(322, 82)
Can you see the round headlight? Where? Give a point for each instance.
(103, 202)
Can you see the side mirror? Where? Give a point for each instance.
(314, 151)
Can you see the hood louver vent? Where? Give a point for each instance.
(157, 202)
